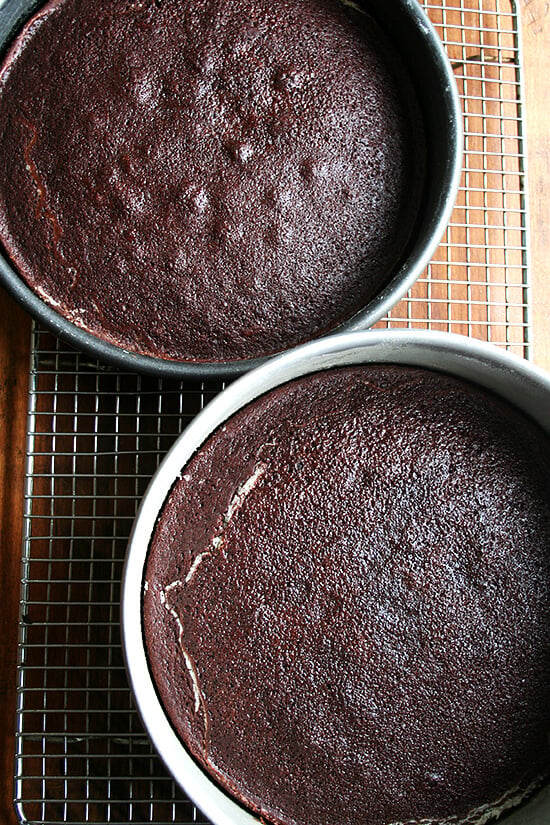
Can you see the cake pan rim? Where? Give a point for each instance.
(511, 377)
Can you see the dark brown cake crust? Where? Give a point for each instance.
(346, 606)
(204, 180)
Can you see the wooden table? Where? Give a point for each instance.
(14, 360)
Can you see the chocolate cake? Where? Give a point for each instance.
(207, 181)
(346, 601)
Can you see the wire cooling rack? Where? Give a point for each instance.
(96, 435)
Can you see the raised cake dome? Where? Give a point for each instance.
(346, 601)
(205, 181)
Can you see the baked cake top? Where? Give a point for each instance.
(206, 181)
(346, 606)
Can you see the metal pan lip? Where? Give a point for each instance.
(507, 375)
(13, 14)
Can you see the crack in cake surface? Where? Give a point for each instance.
(189, 664)
(237, 501)
(243, 491)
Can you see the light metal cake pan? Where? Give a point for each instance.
(408, 28)
(493, 369)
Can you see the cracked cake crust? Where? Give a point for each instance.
(357, 566)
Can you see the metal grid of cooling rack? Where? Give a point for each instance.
(96, 435)
(477, 284)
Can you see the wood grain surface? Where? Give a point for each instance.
(14, 354)
(536, 46)
(14, 367)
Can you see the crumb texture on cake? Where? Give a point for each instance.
(347, 608)
(203, 180)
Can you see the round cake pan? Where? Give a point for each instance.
(411, 32)
(512, 378)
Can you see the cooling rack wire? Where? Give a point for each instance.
(96, 435)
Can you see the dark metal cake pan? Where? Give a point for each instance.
(508, 376)
(415, 39)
